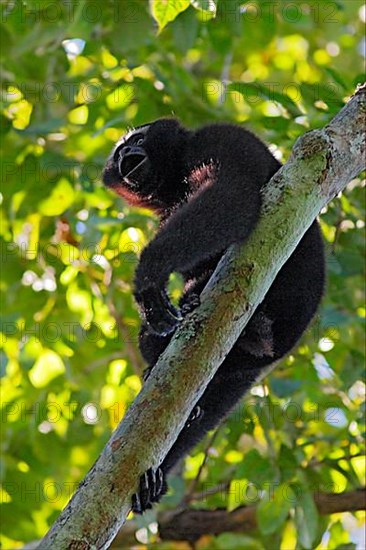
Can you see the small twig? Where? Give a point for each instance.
(131, 350)
(220, 488)
(188, 496)
(312, 463)
(102, 361)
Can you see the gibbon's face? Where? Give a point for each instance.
(145, 162)
(128, 164)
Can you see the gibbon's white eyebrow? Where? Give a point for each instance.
(139, 130)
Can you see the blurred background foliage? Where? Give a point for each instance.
(75, 76)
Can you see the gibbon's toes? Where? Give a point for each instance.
(163, 318)
(196, 413)
(163, 326)
(152, 487)
(191, 304)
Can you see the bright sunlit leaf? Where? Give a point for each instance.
(165, 11)
(62, 195)
(79, 115)
(47, 367)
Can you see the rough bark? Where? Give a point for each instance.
(322, 163)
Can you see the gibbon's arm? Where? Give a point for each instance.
(225, 212)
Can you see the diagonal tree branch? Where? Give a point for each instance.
(322, 164)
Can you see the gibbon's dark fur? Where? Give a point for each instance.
(206, 187)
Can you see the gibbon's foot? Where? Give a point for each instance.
(152, 487)
(193, 301)
(196, 413)
(161, 316)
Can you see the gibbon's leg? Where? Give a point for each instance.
(232, 380)
(273, 330)
(152, 345)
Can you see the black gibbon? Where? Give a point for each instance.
(206, 187)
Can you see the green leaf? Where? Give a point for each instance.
(337, 77)
(234, 541)
(255, 468)
(273, 511)
(47, 367)
(185, 30)
(251, 92)
(132, 28)
(165, 11)
(306, 518)
(59, 200)
(287, 463)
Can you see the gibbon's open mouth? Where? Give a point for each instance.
(131, 159)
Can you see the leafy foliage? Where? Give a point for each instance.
(75, 76)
